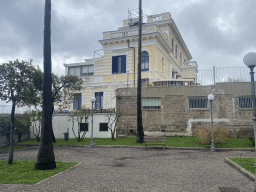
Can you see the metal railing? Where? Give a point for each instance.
(225, 74)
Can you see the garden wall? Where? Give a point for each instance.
(61, 123)
(177, 118)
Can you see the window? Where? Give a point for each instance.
(245, 103)
(75, 71)
(172, 47)
(163, 65)
(144, 61)
(103, 127)
(77, 101)
(180, 57)
(87, 70)
(119, 64)
(176, 51)
(99, 100)
(83, 126)
(198, 103)
(144, 82)
(151, 103)
(81, 70)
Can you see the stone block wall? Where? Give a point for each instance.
(176, 118)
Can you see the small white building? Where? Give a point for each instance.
(61, 123)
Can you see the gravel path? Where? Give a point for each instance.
(137, 169)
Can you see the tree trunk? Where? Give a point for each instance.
(45, 157)
(53, 137)
(113, 135)
(140, 133)
(12, 131)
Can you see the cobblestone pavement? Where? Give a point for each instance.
(137, 169)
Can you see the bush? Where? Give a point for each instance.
(220, 135)
(251, 138)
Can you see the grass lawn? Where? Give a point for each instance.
(15, 148)
(236, 143)
(23, 172)
(246, 163)
(170, 142)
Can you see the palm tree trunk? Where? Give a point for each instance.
(45, 157)
(140, 133)
(12, 132)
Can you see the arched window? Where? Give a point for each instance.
(144, 61)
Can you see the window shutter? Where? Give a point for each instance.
(123, 63)
(114, 64)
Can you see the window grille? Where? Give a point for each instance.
(198, 103)
(103, 127)
(83, 126)
(151, 103)
(245, 103)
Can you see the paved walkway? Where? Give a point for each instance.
(135, 169)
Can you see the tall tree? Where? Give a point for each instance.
(17, 86)
(112, 119)
(45, 157)
(140, 133)
(64, 90)
(80, 116)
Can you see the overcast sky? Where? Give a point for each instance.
(217, 32)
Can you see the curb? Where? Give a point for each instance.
(128, 146)
(239, 168)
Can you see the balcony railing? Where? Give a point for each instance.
(189, 64)
(117, 34)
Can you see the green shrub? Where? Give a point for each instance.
(251, 138)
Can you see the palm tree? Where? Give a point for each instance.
(140, 133)
(45, 157)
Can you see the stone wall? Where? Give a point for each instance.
(175, 118)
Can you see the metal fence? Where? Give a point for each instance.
(223, 74)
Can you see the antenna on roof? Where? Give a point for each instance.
(133, 18)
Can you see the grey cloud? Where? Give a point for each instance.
(21, 24)
(198, 19)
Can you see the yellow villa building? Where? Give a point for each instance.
(166, 61)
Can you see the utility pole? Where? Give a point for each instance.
(140, 133)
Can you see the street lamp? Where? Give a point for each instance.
(210, 98)
(92, 100)
(250, 61)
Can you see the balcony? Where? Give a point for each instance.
(129, 32)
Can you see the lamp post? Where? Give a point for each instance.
(92, 100)
(210, 98)
(250, 61)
